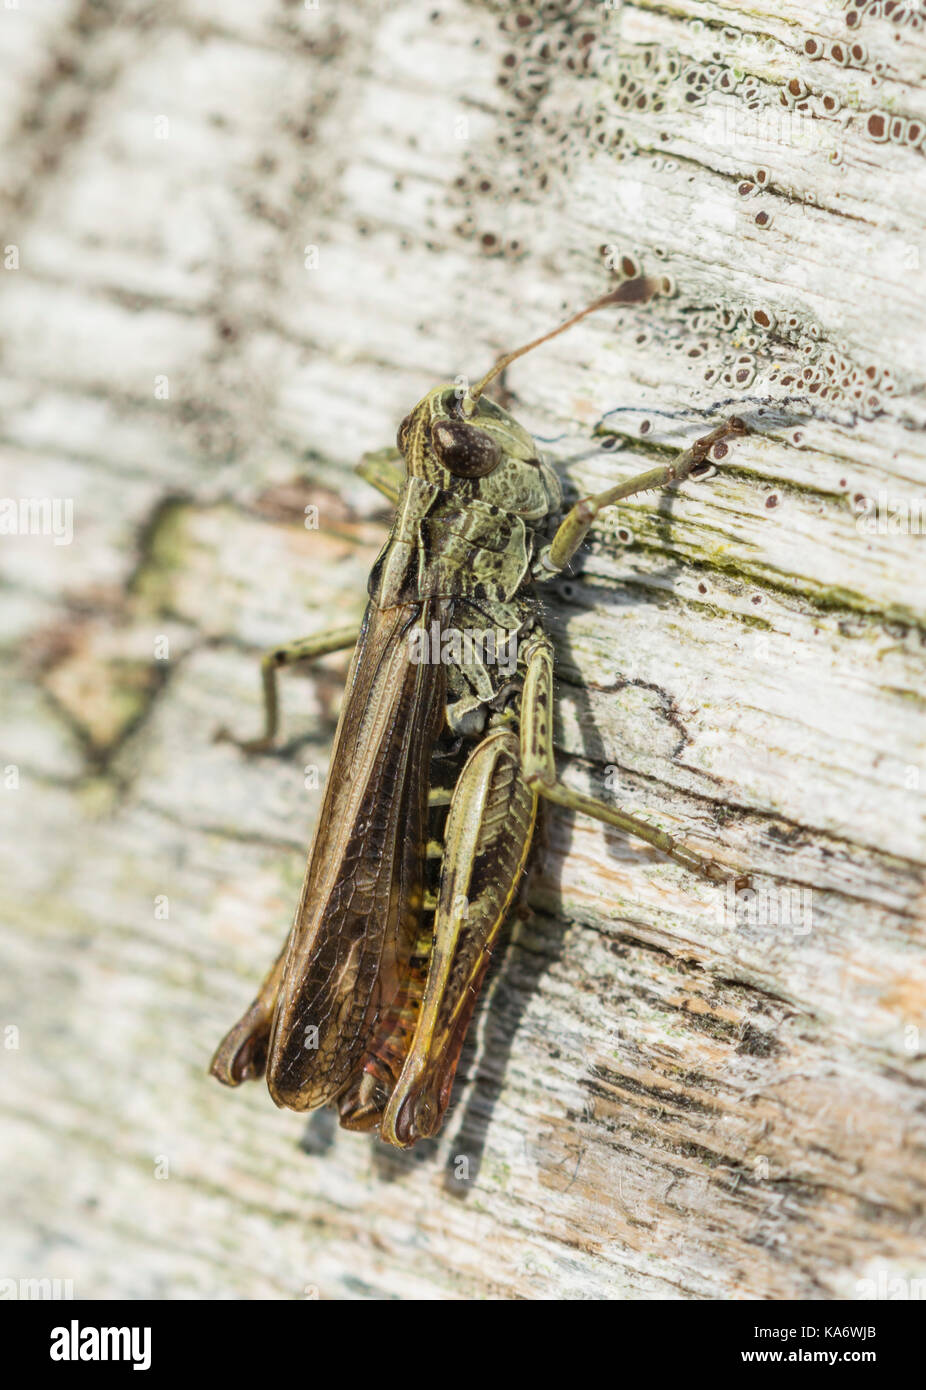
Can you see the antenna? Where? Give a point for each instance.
(636, 291)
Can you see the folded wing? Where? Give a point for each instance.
(358, 916)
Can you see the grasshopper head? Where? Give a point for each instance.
(439, 442)
(485, 454)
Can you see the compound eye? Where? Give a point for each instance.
(401, 438)
(466, 450)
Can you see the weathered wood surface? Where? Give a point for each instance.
(662, 1100)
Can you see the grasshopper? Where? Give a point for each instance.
(440, 761)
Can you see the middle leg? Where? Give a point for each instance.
(539, 769)
(303, 649)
